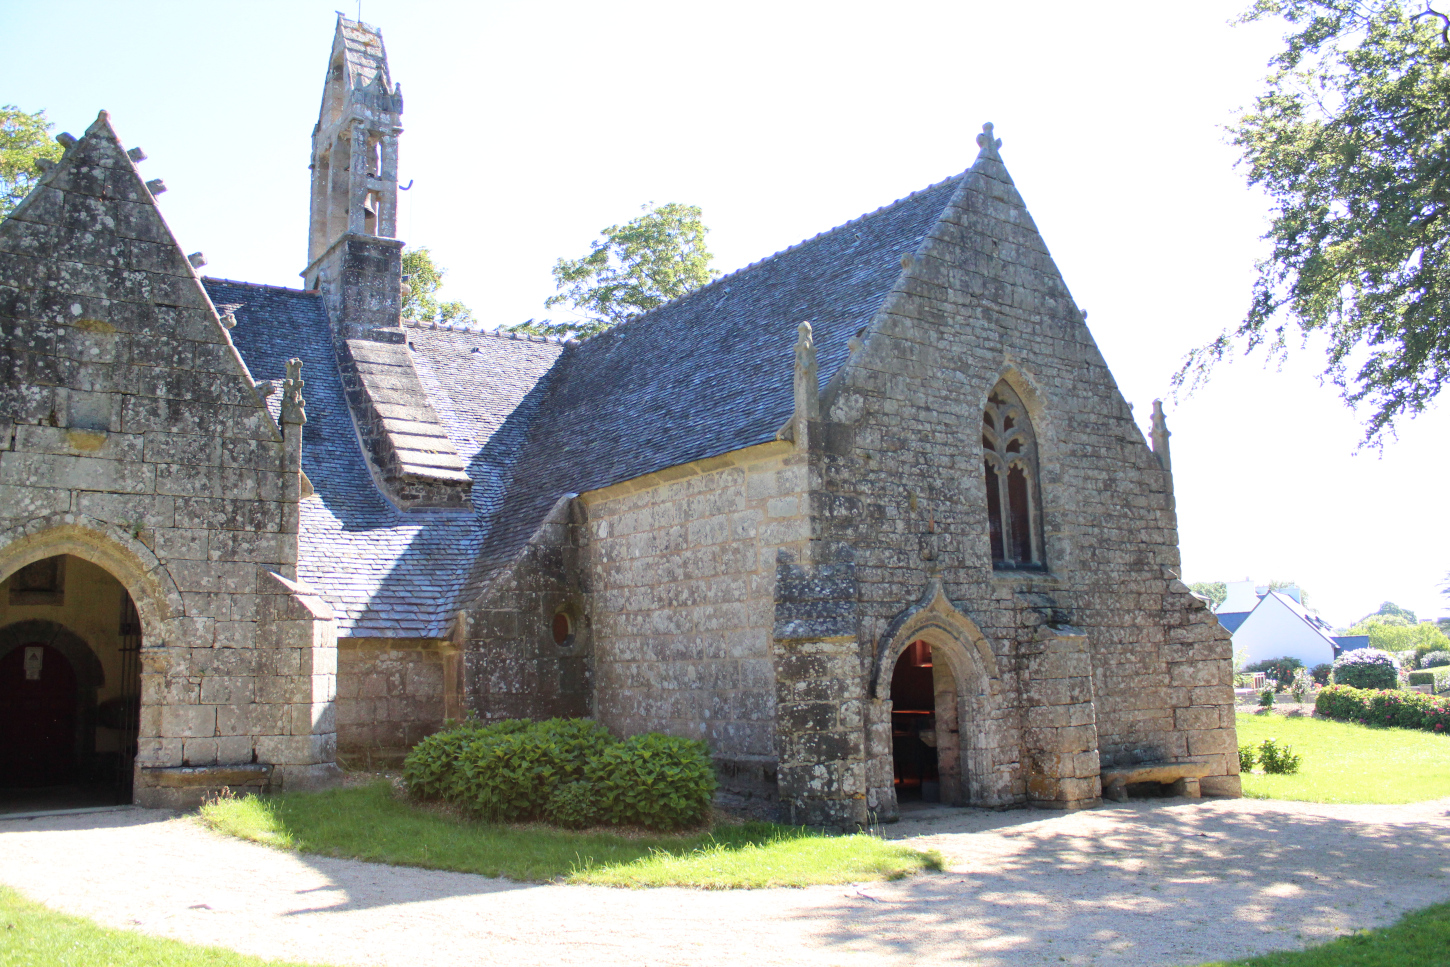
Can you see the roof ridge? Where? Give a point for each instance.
(261, 285)
(785, 251)
(497, 333)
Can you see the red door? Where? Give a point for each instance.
(37, 717)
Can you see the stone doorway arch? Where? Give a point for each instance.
(966, 704)
(113, 597)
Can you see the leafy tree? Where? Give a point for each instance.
(1401, 636)
(23, 141)
(1214, 591)
(1351, 142)
(424, 276)
(630, 269)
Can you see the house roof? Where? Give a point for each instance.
(538, 420)
(1232, 621)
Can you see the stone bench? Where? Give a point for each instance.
(1182, 776)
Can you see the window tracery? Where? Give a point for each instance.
(1009, 450)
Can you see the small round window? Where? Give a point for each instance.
(563, 629)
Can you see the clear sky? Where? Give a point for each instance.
(531, 126)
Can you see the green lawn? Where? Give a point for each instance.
(369, 823)
(31, 935)
(1419, 939)
(1346, 763)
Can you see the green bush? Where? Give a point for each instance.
(1406, 710)
(653, 780)
(570, 771)
(1435, 659)
(1281, 670)
(1367, 668)
(1321, 673)
(1422, 678)
(1277, 759)
(1266, 698)
(1248, 755)
(573, 805)
(507, 778)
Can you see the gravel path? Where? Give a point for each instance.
(1159, 882)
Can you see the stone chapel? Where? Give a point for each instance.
(869, 516)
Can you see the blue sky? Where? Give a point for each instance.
(531, 126)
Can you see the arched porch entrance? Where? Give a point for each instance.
(70, 686)
(935, 711)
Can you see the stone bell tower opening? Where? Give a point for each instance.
(70, 687)
(353, 256)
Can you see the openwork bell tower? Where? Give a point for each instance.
(352, 254)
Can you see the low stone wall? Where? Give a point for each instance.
(392, 692)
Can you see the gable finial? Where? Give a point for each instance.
(292, 402)
(1160, 436)
(988, 144)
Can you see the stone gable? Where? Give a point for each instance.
(134, 438)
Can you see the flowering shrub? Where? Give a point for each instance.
(1406, 710)
(1300, 685)
(1321, 673)
(1435, 659)
(1266, 698)
(1367, 668)
(1248, 755)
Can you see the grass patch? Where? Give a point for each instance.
(31, 934)
(370, 823)
(1419, 939)
(1348, 763)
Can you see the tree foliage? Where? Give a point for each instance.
(423, 277)
(24, 139)
(630, 269)
(1351, 142)
(1214, 591)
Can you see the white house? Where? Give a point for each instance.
(1273, 623)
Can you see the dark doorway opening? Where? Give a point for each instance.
(913, 726)
(70, 704)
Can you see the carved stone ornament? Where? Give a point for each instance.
(987, 143)
(292, 403)
(807, 379)
(933, 616)
(1160, 436)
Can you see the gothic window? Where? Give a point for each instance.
(1010, 467)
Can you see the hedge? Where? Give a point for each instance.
(1405, 710)
(570, 771)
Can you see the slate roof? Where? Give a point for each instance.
(536, 420)
(710, 372)
(367, 59)
(388, 573)
(1232, 621)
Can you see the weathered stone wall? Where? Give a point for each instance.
(512, 667)
(681, 574)
(392, 692)
(900, 455)
(131, 436)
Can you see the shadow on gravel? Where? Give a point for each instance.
(1143, 884)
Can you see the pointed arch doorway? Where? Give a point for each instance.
(923, 726)
(936, 693)
(70, 687)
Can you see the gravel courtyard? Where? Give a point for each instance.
(1159, 882)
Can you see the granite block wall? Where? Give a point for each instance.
(132, 437)
(681, 574)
